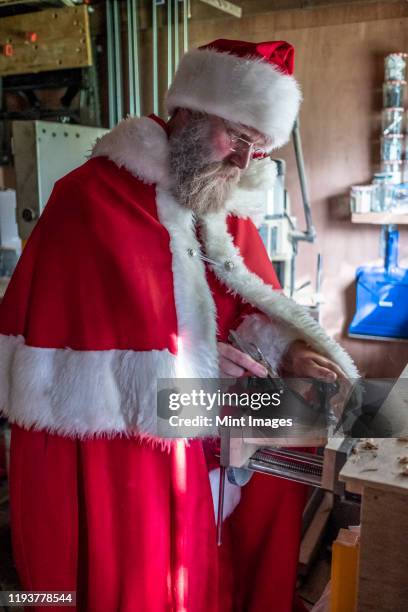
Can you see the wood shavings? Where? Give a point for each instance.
(404, 470)
(402, 439)
(403, 460)
(369, 444)
(369, 469)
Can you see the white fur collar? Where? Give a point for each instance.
(141, 146)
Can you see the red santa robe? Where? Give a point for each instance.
(110, 294)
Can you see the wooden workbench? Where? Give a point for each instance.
(379, 475)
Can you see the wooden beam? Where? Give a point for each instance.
(225, 6)
(313, 536)
(201, 10)
(382, 584)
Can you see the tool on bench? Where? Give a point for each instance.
(242, 455)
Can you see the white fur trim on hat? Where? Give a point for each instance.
(243, 90)
(88, 393)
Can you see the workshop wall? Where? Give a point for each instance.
(339, 62)
(340, 53)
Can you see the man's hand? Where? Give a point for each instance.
(234, 363)
(300, 361)
(304, 362)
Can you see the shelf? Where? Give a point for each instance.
(380, 218)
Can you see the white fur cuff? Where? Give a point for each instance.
(272, 337)
(86, 393)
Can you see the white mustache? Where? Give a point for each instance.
(199, 184)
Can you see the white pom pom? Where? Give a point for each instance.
(260, 174)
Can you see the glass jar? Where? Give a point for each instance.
(400, 199)
(395, 170)
(383, 199)
(361, 198)
(395, 66)
(393, 94)
(392, 120)
(391, 147)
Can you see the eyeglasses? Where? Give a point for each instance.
(239, 143)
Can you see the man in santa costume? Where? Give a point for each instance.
(137, 270)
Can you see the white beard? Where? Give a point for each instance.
(198, 184)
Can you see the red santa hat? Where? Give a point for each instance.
(243, 82)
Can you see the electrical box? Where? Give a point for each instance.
(44, 152)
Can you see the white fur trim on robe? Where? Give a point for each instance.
(196, 317)
(221, 249)
(84, 393)
(141, 146)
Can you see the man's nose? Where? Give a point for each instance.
(241, 158)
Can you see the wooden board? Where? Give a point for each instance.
(251, 8)
(381, 218)
(383, 564)
(378, 468)
(312, 538)
(63, 41)
(226, 7)
(10, 2)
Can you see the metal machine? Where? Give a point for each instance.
(243, 456)
(245, 448)
(376, 408)
(278, 228)
(43, 153)
(10, 245)
(46, 49)
(240, 457)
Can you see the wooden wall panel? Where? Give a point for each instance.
(339, 63)
(62, 41)
(340, 51)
